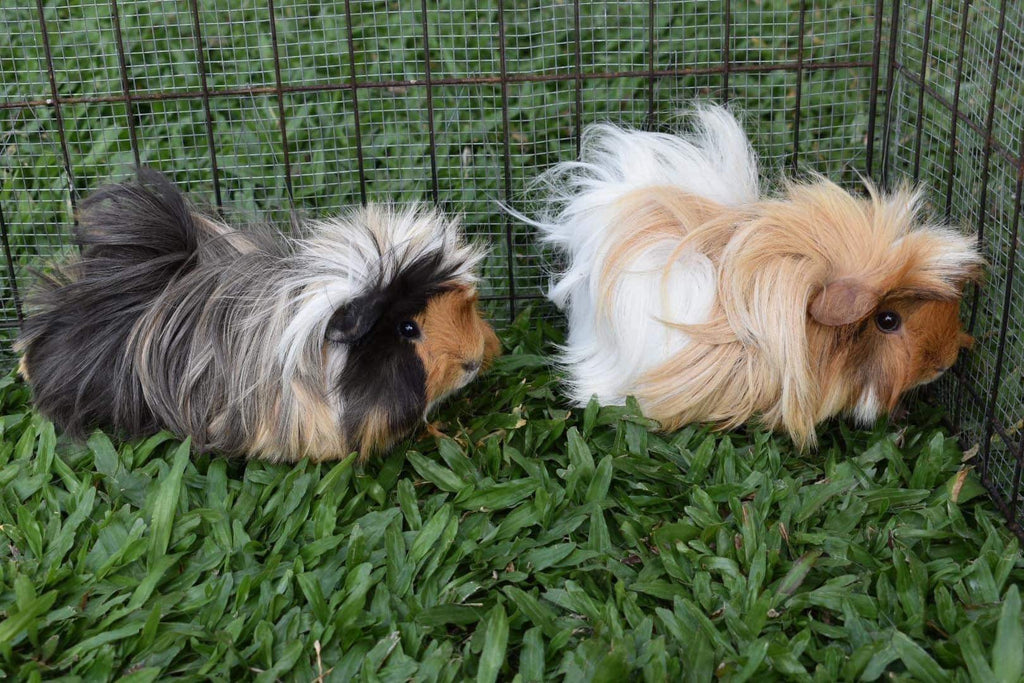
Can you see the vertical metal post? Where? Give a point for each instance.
(55, 101)
(890, 87)
(281, 122)
(355, 103)
(507, 154)
(430, 104)
(954, 120)
(651, 62)
(197, 33)
(129, 107)
(920, 92)
(795, 158)
(10, 265)
(954, 116)
(726, 49)
(876, 58)
(986, 160)
(578, 54)
(1011, 260)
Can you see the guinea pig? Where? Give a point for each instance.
(337, 339)
(710, 301)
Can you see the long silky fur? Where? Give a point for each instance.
(174, 319)
(687, 287)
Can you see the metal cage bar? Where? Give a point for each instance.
(652, 61)
(506, 147)
(794, 161)
(353, 86)
(434, 196)
(890, 89)
(876, 59)
(954, 109)
(919, 133)
(726, 48)
(954, 120)
(986, 161)
(11, 274)
(577, 43)
(122, 63)
(207, 111)
(281, 122)
(511, 79)
(55, 102)
(997, 373)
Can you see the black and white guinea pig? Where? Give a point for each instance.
(338, 339)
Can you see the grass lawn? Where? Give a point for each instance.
(530, 542)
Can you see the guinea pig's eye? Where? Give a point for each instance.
(888, 321)
(408, 329)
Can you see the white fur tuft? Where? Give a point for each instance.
(341, 258)
(868, 407)
(607, 351)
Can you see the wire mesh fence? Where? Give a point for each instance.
(267, 107)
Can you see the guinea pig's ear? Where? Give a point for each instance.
(843, 301)
(353, 320)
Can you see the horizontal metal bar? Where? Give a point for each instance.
(142, 96)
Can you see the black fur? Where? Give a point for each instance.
(383, 371)
(136, 238)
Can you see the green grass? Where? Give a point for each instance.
(531, 542)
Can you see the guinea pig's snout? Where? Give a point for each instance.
(471, 366)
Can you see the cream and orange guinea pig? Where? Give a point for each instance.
(708, 300)
(338, 339)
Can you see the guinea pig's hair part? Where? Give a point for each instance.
(250, 342)
(708, 301)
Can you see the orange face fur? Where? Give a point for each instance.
(878, 365)
(456, 342)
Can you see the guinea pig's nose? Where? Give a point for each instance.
(471, 365)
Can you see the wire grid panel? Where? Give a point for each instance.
(255, 109)
(958, 127)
